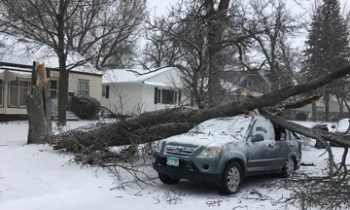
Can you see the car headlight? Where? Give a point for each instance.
(211, 152)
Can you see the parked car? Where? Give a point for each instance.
(343, 126)
(225, 150)
(329, 127)
(340, 128)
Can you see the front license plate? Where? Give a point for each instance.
(172, 161)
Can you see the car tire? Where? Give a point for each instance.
(289, 168)
(232, 178)
(167, 179)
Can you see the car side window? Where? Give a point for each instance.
(263, 127)
(280, 133)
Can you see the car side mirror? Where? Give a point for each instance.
(257, 138)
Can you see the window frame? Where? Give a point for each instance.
(51, 89)
(79, 87)
(18, 105)
(2, 91)
(159, 97)
(105, 91)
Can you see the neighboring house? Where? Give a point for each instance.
(15, 82)
(335, 112)
(16, 57)
(130, 92)
(237, 82)
(234, 83)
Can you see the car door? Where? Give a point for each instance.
(262, 153)
(282, 147)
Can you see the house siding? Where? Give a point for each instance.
(95, 83)
(124, 99)
(148, 99)
(138, 96)
(95, 90)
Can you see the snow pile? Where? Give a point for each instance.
(34, 177)
(130, 75)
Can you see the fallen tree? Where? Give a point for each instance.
(153, 126)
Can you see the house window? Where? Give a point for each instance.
(105, 91)
(83, 87)
(1, 92)
(18, 93)
(53, 89)
(166, 96)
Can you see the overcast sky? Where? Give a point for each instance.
(302, 10)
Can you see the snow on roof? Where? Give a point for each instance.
(131, 75)
(231, 88)
(25, 51)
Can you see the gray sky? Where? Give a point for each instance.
(302, 10)
(160, 7)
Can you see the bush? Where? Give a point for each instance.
(85, 107)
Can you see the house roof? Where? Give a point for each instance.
(24, 51)
(132, 75)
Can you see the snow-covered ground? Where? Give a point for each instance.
(34, 177)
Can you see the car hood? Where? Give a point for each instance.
(205, 139)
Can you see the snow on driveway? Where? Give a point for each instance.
(34, 177)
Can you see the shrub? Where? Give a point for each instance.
(85, 107)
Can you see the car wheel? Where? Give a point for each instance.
(167, 179)
(232, 178)
(289, 168)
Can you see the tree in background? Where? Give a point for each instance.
(206, 39)
(327, 48)
(100, 30)
(160, 49)
(198, 38)
(277, 58)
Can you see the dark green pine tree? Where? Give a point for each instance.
(327, 48)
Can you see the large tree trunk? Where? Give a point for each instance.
(39, 118)
(150, 126)
(37, 131)
(314, 111)
(62, 95)
(62, 58)
(216, 21)
(341, 102)
(326, 106)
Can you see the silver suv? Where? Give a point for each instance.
(225, 150)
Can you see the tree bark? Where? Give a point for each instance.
(150, 126)
(326, 105)
(323, 135)
(62, 95)
(216, 21)
(62, 58)
(314, 111)
(37, 131)
(39, 118)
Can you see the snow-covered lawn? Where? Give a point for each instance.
(34, 177)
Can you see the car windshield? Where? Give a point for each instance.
(237, 125)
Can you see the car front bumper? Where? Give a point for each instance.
(186, 169)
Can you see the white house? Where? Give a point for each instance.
(130, 92)
(16, 58)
